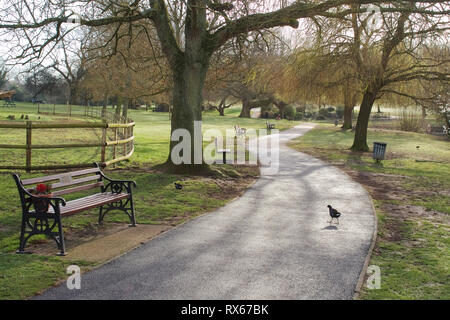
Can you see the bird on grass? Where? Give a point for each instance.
(178, 186)
(334, 214)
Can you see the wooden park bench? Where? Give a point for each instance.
(437, 130)
(42, 214)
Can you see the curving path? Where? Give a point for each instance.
(272, 243)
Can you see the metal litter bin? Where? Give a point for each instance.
(379, 151)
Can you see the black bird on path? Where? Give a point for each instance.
(334, 214)
(178, 186)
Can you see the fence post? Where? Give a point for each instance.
(28, 145)
(115, 146)
(125, 145)
(103, 152)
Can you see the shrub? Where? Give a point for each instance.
(309, 114)
(298, 116)
(330, 109)
(301, 109)
(324, 112)
(289, 112)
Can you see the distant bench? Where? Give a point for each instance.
(240, 132)
(437, 130)
(270, 126)
(41, 214)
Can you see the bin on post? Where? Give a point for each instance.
(379, 151)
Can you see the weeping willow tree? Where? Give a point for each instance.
(374, 53)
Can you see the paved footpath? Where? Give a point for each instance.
(274, 242)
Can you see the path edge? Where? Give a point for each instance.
(363, 273)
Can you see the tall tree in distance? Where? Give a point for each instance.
(70, 63)
(3, 76)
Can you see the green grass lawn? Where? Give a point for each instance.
(152, 134)
(156, 200)
(411, 191)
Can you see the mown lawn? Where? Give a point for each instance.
(156, 199)
(152, 134)
(411, 191)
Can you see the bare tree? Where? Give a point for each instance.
(132, 69)
(40, 82)
(3, 76)
(70, 63)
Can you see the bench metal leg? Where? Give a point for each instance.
(60, 241)
(132, 217)
(22, 237)
(100, 215)
(125, 206)
(224, 157)
(42, 224)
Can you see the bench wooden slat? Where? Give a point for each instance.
(90, 202)
(75, 181)
(96, 201)
(58, 176)
(78, 189)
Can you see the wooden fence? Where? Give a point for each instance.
(123, 136)
(97, 112)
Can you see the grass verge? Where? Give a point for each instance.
(411, 192)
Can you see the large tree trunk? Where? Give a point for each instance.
(281, 105)
(105, 101)
(126, 105)
(189, 67)
(73, 95)
(248, 105)
(360, 141)
(348, 112)
(349, 105)
(246, 108)
(118, 108)
(187, 108)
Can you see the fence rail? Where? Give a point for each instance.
(123, 136)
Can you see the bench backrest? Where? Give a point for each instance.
(65, 183)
